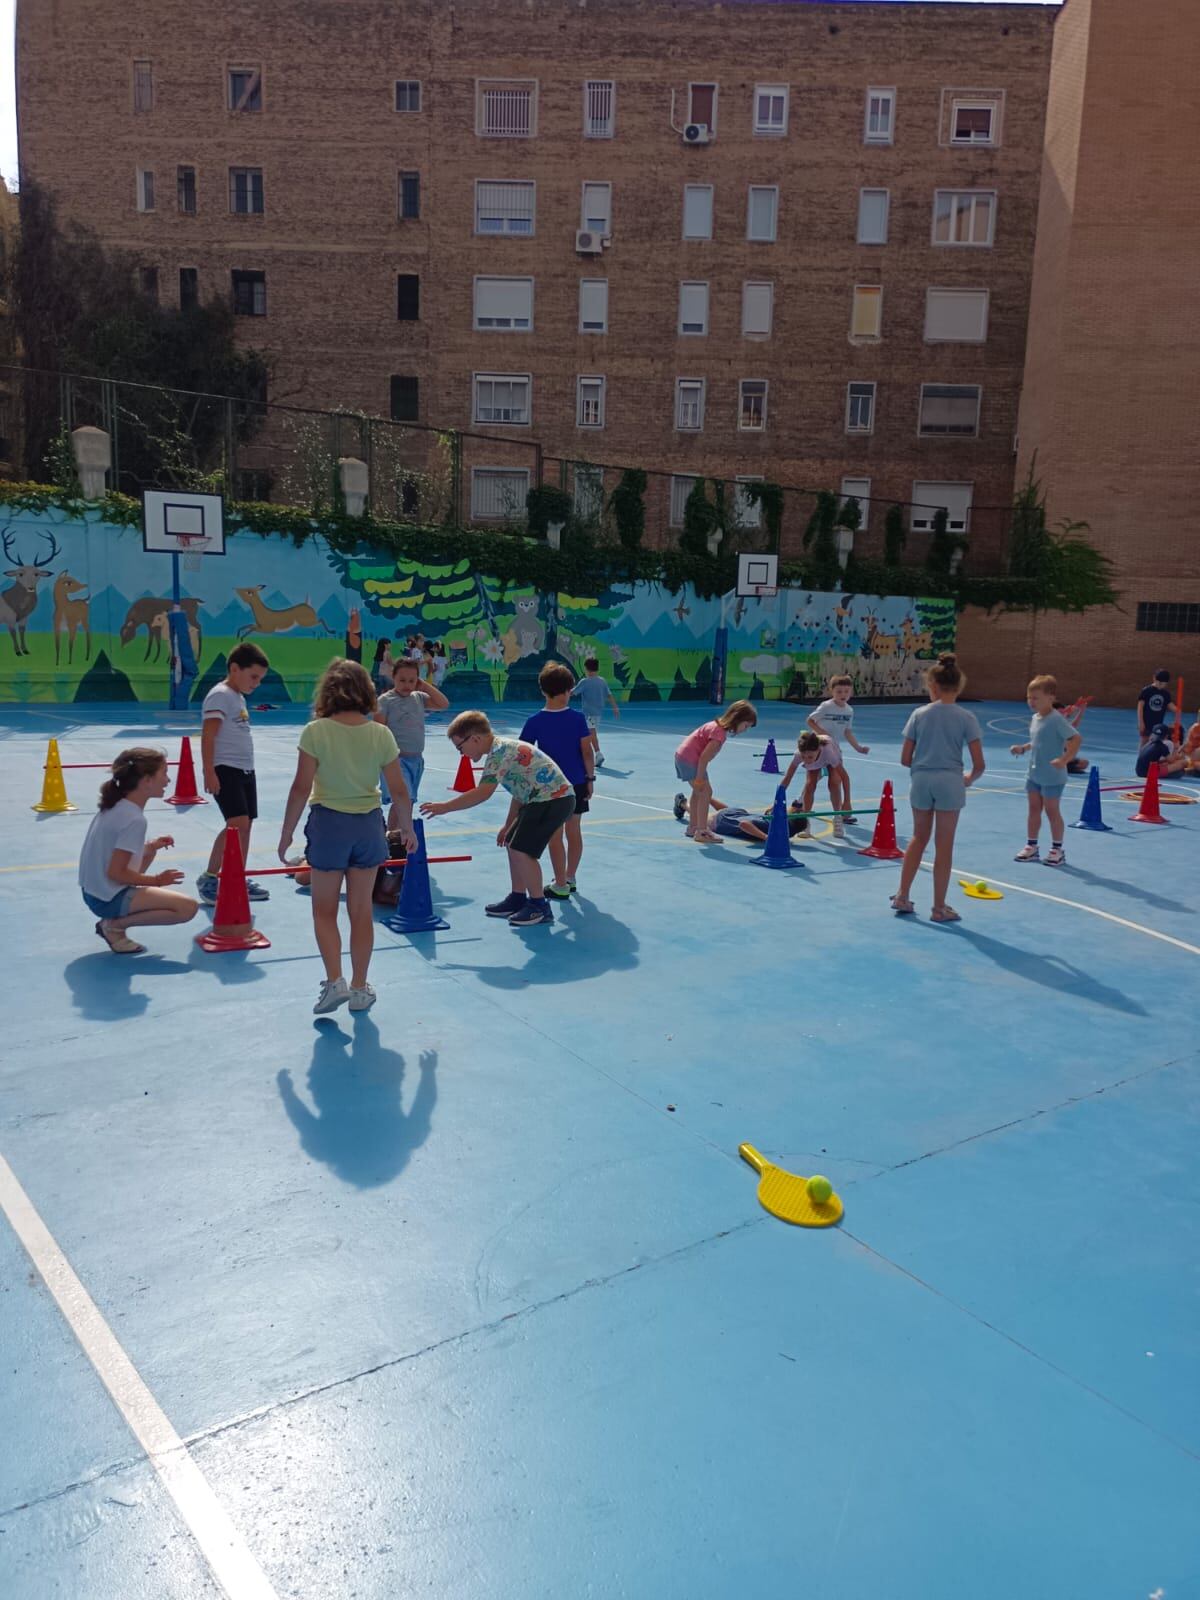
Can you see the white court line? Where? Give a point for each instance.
(666, 810)
(227, 1554)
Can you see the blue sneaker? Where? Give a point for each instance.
(255, 891)
(206, 888)
(531, 914)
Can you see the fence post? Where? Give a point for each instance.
(456, 518)
(110, 410)
(230, 450)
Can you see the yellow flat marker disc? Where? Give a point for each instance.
(1164, 799)
(974, 893)
(785, 1195)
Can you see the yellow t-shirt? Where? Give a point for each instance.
(350, 757)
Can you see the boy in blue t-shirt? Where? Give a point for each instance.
(567, 739)
(593, 691)
(1052, 745)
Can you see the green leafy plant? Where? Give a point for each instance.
(629, 508)
(546, 503)
(895, 536)
(699, 520)
(770, 497)
(1065, 567)
(943, 545)
(820, 538)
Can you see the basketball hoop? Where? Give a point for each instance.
(765, 591)
(191, 549)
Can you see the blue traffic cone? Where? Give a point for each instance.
(770, 759)
(414, 911)
(778, 852)
(1090, 817)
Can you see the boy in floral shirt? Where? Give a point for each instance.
(542, 800)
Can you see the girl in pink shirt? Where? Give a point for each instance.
(692, 760)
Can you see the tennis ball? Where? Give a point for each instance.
(819, 1190)
(981, 886)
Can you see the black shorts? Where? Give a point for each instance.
(537, 823)
(238, 794)
(582, 802)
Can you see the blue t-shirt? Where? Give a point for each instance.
(1048, 737)
(559, 734)
(940, 732)
(593, 692)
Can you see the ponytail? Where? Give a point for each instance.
(128, 770)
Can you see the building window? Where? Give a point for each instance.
(589, 491)
(860, 408)
(693, 308)
(408, 297)
(702, 105)
(246, 191)
(143, 86)
(504, 305)
(964, 216)
(408, 94)
(595, 210)
(956, 316)
(689, 404)
(506, 108)
(599, 108)
(858, 489)
(148, 282)
(747, 512)
(758, 306)
(1168, 616)
(185, 190)
(249, 294)
(593, 305)
(929, 498)
(189, 288)
(866, 314)
(974, 122)
(949, 410)
(408, 197)
(405, 398)
(762, 206)
(145, 190)
(502, 397)
(880, 120)
(872, 216)
(770, 108)
(589, 402)
(681, 487)
(498, 493)
(504, 207)
(245, 88)
(697, 210)
(752, 405)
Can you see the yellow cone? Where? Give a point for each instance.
(54, 790)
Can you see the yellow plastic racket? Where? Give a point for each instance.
(785, 1195)
(974, 892)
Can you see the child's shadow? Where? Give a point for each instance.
(1051, 971)
(589, 944)
(360, 1129)
(100, 984)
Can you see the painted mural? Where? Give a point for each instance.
(83, 617)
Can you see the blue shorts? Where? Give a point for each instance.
(685, 771)
(937, 790)
(413, 768)
(339, 840)
(110, 910)
(1048, 791)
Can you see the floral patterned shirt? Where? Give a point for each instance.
(528, 775)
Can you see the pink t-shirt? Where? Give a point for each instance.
(694, 746)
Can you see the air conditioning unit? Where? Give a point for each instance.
(588, 243)
(697, 133)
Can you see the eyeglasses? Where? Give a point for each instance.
(459, 743)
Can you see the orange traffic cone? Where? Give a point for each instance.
(883, 841)
(1149, 810)
(54, 788)
(232, 926)
(464, 778)
(186, 792)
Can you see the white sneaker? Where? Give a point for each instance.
(1027, 852)
(839, 828)
(1055, 857)
(334, 993)
(362, 999)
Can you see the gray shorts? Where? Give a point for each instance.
(1048, 791)
(685, 771)
(939, 790)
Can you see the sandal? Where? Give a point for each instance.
(119, 943)
(944, 914)
(901, 906)
(708, 838)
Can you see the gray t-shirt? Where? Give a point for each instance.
(121, 827)
(234, 746)
(592, 692)
(941, 732)
(835, 720)
(1047, 740)
(405, 716)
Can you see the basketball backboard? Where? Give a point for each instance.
(756, 572)
(180, 523)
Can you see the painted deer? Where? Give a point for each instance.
(917, 644)
(70, 615)
(18, 600)
(144, 614)
(159, 629)
(280, 619)
(879, 644)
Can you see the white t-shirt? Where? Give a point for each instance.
(835, 720)
(121, 827)
(235, 744)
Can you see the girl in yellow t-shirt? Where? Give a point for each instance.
(342, 753)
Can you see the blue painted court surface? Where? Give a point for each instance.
(471, 1296)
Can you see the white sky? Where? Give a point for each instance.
(8, 118)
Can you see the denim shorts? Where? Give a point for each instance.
(413, 768)
(110, 910)
(685, 771)
(1048, 791)
(938, 790)
(339, 840)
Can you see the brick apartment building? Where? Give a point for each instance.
(781, 240)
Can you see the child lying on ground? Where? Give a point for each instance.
(736, 822)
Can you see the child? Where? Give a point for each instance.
(835, 717)
(402, 709)
(593, 690)
(1158, 749)
(542, 801)
(439, 665)
(566, 738)
(1074, 715)
(1191, 748)
(735, 822)
(112, 864)
(692, 760)
(227, 757)
(934, 737)
(342, 752)
(381, 667)
(1052, 745)
(1154, 704)
(817, 753)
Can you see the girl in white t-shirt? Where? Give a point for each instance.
(817, 753)
(112, 864)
